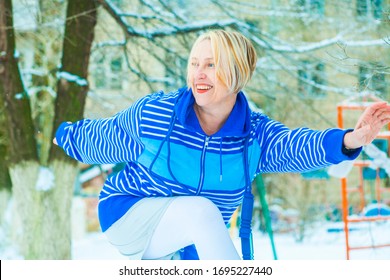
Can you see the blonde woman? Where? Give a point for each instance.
(192, 154)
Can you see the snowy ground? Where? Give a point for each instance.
(325, 242)
(320, 244)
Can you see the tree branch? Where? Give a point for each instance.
(173, 29)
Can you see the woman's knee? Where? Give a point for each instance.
(198, 208)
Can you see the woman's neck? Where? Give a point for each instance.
(211, 121)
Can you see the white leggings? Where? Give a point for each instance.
(192, 220)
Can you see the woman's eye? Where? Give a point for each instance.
(211, 65)
(194, 64)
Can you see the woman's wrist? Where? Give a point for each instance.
(348, 142)
(347, 146)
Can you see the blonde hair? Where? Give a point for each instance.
(234, 57)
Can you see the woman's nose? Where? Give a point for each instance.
(200, 74)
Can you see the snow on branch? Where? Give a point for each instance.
(259, 37)
(193, 27)
(72, 78)
(137, 15)
(109, 44)
(365, 43)
(309, 47)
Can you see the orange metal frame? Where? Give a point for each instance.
(360, 189)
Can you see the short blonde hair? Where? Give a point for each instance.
(234, 57)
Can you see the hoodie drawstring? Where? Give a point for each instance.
(168, 140)
(220, 160)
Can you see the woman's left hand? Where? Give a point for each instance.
(368, 126)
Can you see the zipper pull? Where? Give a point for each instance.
(206, 144)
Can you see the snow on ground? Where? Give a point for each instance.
(325, 242)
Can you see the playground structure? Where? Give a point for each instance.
(364, 170)
(372, 157)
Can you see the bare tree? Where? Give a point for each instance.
(43, 193)
(301, 69)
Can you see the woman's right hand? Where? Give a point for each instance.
(368, 126)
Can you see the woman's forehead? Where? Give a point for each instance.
(202, 50)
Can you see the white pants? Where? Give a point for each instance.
(192, 220)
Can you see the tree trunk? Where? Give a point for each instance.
(20, 132)
(5, 179)
(45, 216)
(13, 95)
(69, 106)
(72, 93)
(43, 213)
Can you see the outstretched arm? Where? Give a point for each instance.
(368, 126)
(110, 140)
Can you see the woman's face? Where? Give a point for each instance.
(206, 87)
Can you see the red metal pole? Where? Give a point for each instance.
(344, 196)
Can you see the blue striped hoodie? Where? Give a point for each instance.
(168, 154)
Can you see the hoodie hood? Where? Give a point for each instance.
(237, 124)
